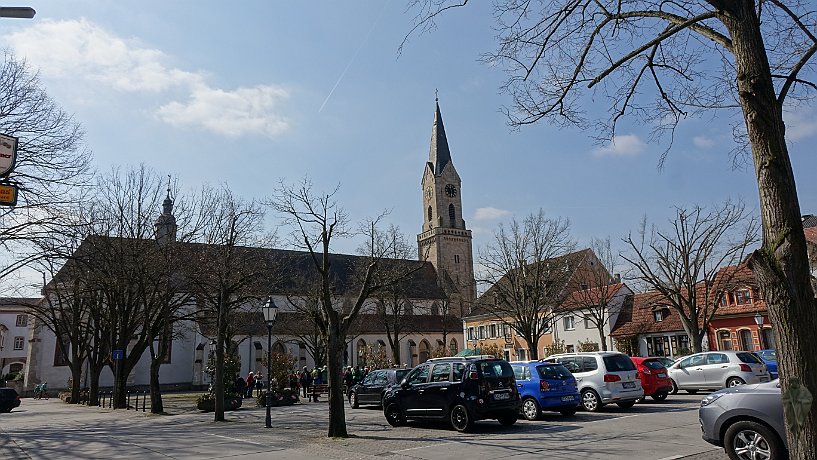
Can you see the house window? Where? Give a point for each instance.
(507, 354)
(660, 314)
(482, 332)
(683, 344)
(588, 322)
(743, 297)
(492, 330)
(569, 323)
(22, 320)
(724, 340)
(18, 343)
(61, 351)
(658, 346)
(522, 354)
(570, 348)
(471, 333)
(746, 340)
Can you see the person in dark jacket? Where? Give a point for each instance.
(306, 380)
(239, 385)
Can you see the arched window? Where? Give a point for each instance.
(425, 351)
(430, 214)
(452, 215)
(454, 347)
(724, 340)
(278, 347)
(412, 353)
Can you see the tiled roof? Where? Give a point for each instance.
(18, 301)
(581, 299)
(809, 220)
(637, 316)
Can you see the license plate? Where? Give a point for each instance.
(501, 396)
(662, 376)
(629, 385)
(567, 398)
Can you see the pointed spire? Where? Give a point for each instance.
(167, 205)
(438, 155)
(166, 222)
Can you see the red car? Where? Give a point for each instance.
(654, 378)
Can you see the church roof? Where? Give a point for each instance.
(439, 155)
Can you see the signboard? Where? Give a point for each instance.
(8, 154)
(117, 355)
(8, 195)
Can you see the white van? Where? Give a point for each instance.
(603, 377)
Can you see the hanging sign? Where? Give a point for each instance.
(8, 154)
(8, 195)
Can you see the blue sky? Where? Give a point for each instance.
(258, 90)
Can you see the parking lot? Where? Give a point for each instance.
(53, 430)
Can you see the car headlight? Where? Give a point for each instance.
(711, 398)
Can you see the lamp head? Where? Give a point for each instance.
(758, 319)
(270, 311)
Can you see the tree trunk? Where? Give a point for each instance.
(120, 387)
(337, 414)
(76, 379)
(603, 339)
(156, 405)
(218, 385)
(781, 264)
(93, 383)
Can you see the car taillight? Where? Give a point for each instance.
(473, 375)
(645, 371)
(609, 378)
(745, 368)
(18, 397)
(544, 386)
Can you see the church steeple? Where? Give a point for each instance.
(439, 155)
(166, 222)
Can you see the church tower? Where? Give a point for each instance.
(166, 222)
(444, 241)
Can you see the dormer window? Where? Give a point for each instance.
(743, 297)
(660, 314)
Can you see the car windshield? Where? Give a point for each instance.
(768, 355)
(494, 369)
(749, 358)
(617, 363)
(553, 371)
(653, 364)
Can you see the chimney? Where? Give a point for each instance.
(617, 278)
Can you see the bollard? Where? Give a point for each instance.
(143, 400)
(127, 401)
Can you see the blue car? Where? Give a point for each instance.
(770, 358)
(545, 386)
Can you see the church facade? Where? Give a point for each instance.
(444, 288)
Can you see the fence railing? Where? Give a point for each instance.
(106, 400)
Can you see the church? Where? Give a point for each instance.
(441, 292)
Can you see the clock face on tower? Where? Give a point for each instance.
(451, 190)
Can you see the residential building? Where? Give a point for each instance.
(579, 316)
(14, 334)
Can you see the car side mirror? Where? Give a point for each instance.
(405, 385)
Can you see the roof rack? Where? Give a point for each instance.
(463, 358)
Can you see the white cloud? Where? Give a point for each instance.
(799, 125)
(703, 142)
(490, 213)
(80, 49)
(626, 145)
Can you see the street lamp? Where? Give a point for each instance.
(270, 313)
(759, 321)
(19, 12)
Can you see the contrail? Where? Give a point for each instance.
(365, 39)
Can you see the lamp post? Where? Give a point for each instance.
(759, 321)
(270, 312)
(19, 12)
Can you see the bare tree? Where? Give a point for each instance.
(53, 166)
(665, 61)
(317, 221)
(229, 272)
(598, 296)
(683, 264)
(526, 269)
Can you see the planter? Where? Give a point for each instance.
(209, 405)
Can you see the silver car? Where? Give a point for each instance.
(717, 369)
(747, 421)
(603, 377)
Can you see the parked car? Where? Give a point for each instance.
(769, 357)
(747, 421)
(371, 389)
(545, 386)
(461, 390)
(603, 377)
(717, 369)
(654, 379)
(9, 399)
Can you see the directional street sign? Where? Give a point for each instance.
(8, 195)
(8, 154)
(117, 355)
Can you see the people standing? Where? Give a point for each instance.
(306, 380)
(250, 384)
(240, 385)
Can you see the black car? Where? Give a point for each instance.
(371, 389)
(460, 390)
(9, 399)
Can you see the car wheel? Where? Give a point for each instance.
(747, 440)
(353, 400)
(507, 420)
(674, 387)
(626, 404)
(394, 416)
(568, 412)
(460, 418)
(692, 392)
(591, 401)
(734, 381)
(530, 409)
(659, 396)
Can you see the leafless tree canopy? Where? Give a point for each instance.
(526, 270)
(53, 165)
(684, 262)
